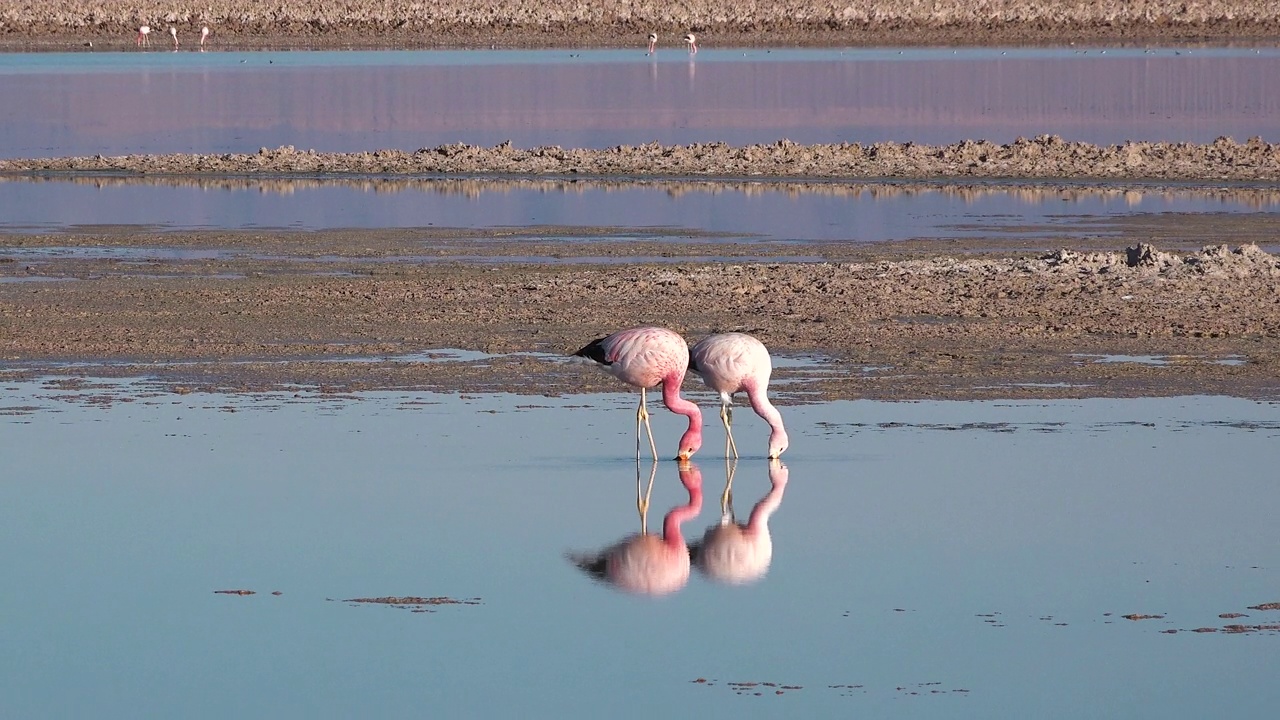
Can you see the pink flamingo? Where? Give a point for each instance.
(645, 563)
(173, 32)
(204, 35)
(692, 41)
(644, 357)
(730, 362)
(144, 36)
(653, 42)
(734, 553)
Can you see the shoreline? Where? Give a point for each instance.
(315, 24)
(1043, 158)
(881, 322)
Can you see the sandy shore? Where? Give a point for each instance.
(894, 321)
(1044, 157)
(53, 24)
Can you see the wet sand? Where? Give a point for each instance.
(62, 24)
(892, 321)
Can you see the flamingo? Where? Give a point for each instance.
(644, 563)
(730, 362)
(653, 42)
(204, 34)
(734, 553)
(144, 36)
(173, 33)
(645, 357)
(692, 40)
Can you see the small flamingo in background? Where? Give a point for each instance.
(144, 36)
(645, 357)
(692, 41)
(204, 35)
(730, 362)
(653, 42)
(173, 33)
(648, 564)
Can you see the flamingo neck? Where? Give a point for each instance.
(671, 534)
(676, 404)
(765, 409)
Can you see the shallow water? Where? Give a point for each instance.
(159, 102)
(929, 559)
(689, 211)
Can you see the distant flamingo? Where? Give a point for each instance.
(204, 34)
(173, 32)
(645, 357)
(692, 41)
(734, 553)
(653, 42)
(731, 362)
(144, 36)
(644, 563)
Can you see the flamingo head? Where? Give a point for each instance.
(690, 442)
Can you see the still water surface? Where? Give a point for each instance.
(161, 102)
(984, 551)
(693, 211)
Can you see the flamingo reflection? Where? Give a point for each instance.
(648, 564)
(737, 554)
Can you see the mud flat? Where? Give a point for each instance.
(401, 23)
(1043, 157)
(893, 321)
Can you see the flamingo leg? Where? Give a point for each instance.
(726, 417)
(642, 416)
(642, 499)
(726, 498)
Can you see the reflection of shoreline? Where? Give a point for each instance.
(1030, 192)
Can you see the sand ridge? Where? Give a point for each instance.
(546, 23)
(1044, 157)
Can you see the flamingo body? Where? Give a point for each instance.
(204, 34)
(653, 42)
(734, 362)
(646, 357)
(173, 33)
(692, 41)
(648, 564)
(144, 36)
(735, 553)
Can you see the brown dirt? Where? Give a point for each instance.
(896, 321)
(541, 23)
(1046, 156)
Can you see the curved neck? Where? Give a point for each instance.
(676, 404)
(679, 515)
(761, 513)
(765, 409)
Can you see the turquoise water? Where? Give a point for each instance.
(981, 550)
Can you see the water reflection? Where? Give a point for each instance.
(85, 103)
(796, 211)
(734, 553)
(643, 563)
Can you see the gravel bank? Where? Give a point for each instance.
(401, 23)
(1042, 157)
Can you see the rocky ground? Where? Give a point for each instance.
(1046, 156)
(562, 23)
(896, 321)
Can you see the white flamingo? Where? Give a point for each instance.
(692, 41)
(144, 36)
(173, 33)
(653, 42)
(204, 34)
